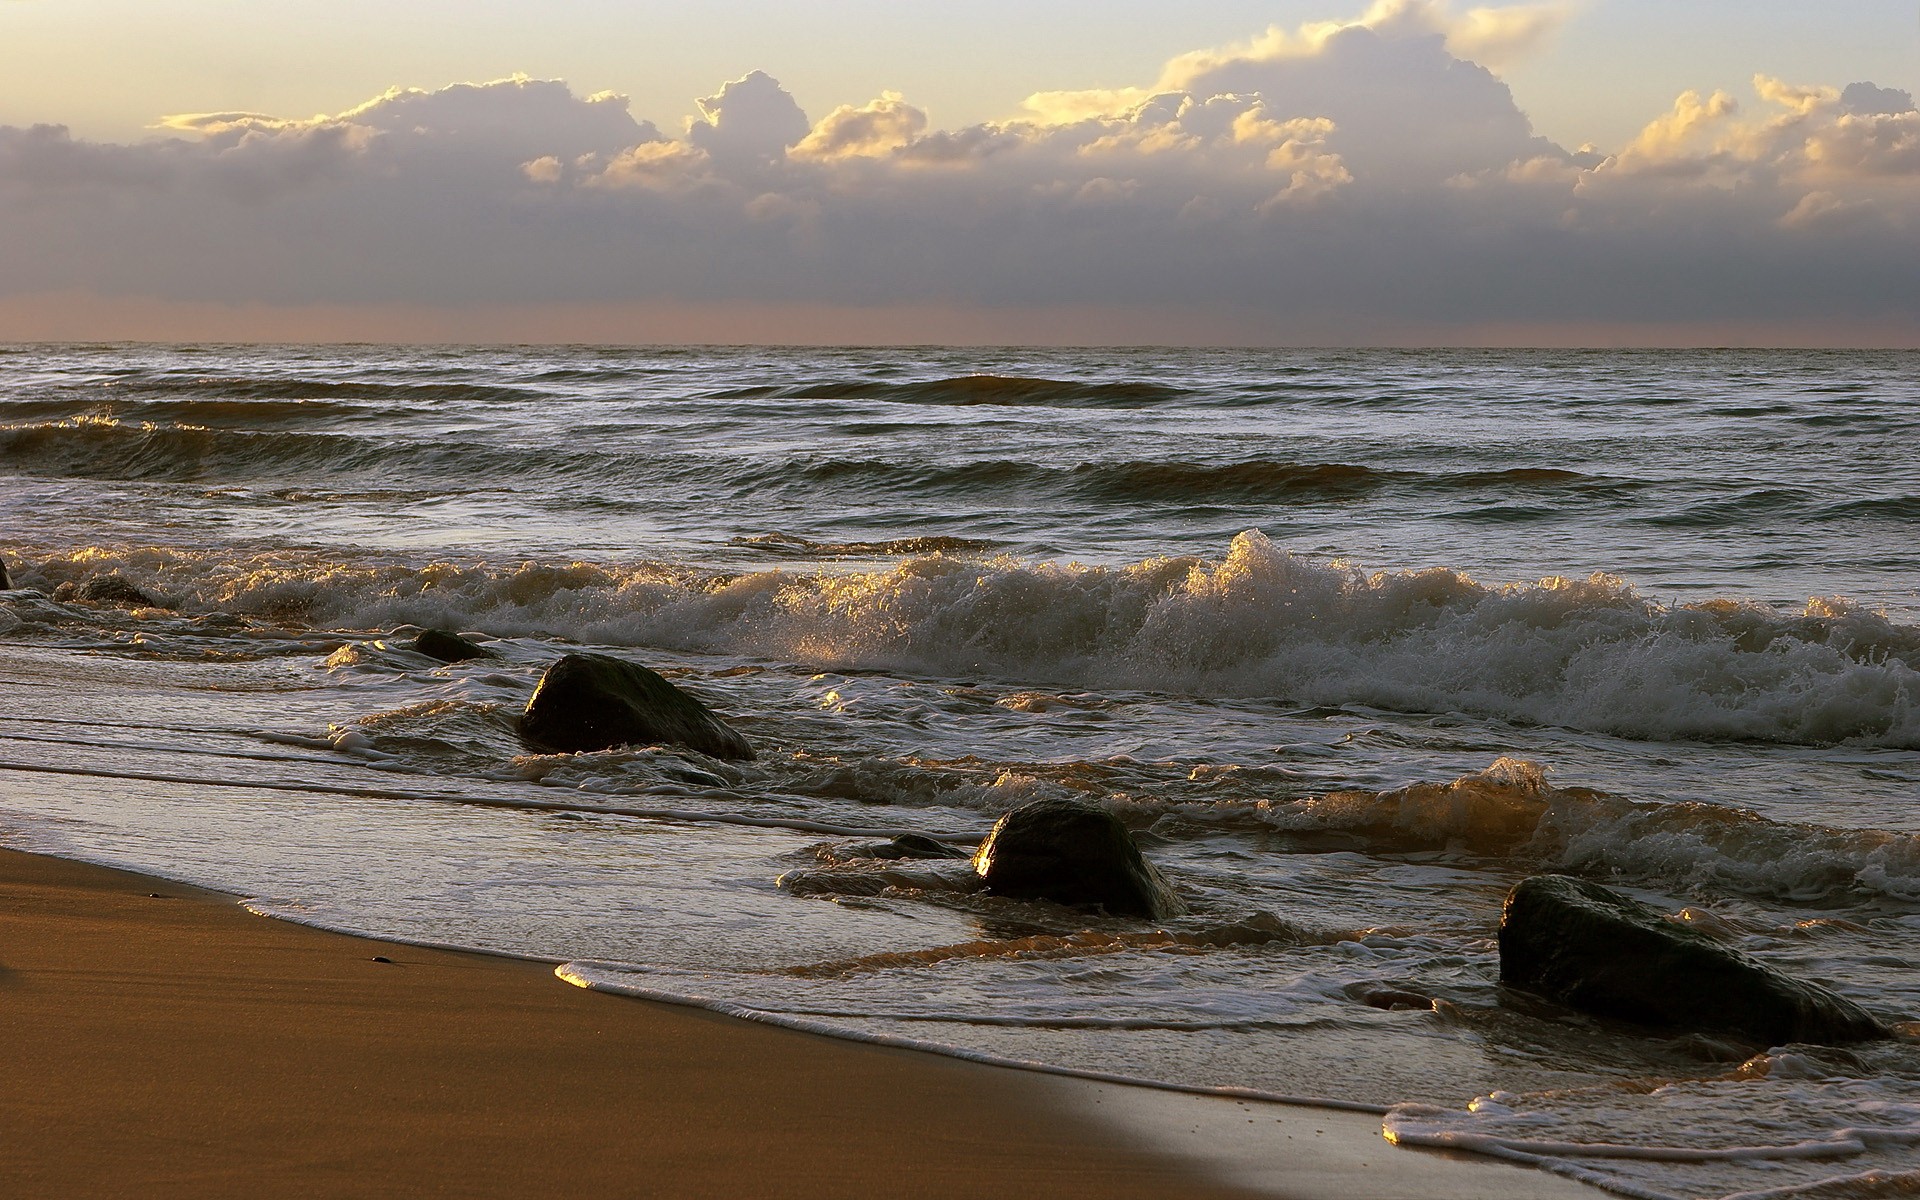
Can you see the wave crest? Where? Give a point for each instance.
(1587, 653)
(1509, 811)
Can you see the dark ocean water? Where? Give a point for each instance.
(1353, 639)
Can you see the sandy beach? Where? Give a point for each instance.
(167, 1042)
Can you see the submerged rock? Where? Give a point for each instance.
(597, 702)
(1071, 852)
(449, 647)
(910, 845)
(106, 589)
(1595, 950)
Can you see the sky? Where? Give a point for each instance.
(1217, 172)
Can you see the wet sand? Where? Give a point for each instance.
(164, 1041)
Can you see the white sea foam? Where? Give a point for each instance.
(1587, 654)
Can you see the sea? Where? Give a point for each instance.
(1351, 640)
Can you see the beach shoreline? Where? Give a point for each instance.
(170, 1042)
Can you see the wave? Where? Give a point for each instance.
(1509, 811)
(286, 388)
(1587, 654)
(104, 448)
(1887, 508)
(1759, 503)
(187, 411)
(920, 478)
(792, 545)
(97, 446)
(1267, 479)
(1248, 481)
(1010, 390)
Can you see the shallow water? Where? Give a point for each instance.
(1353, 640)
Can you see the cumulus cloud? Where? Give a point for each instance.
(1398, 85)
(1348, 175)
(1869, 100)
(1800, 133)
(876, 128)
(1489, 36)
(748, 123)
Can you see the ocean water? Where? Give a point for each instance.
(1353, 640)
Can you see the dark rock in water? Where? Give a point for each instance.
(6, 584)
(597, 702)
(911, 845)
(1387, 997)
(449, 647)
(106, 589)
(1598, 951)
(1072, 853)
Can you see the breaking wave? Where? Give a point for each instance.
(1509, 811)
(1589, 654)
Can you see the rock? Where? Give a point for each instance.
(911, 845)
(6, 584)
(449, 647)
(106, 589)
(1387, 997)
(1071, 852)
(1603, 953)
(597, 702)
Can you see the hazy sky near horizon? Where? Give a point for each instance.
(1308, 166)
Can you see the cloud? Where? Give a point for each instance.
(1495, 37)
(1336, 181)
(1690, 121)
(1396, 83)
(748, 123)
(1824, 210)
(876, 128)
(1488, 36)
(1807, 134)
(1865, 99)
